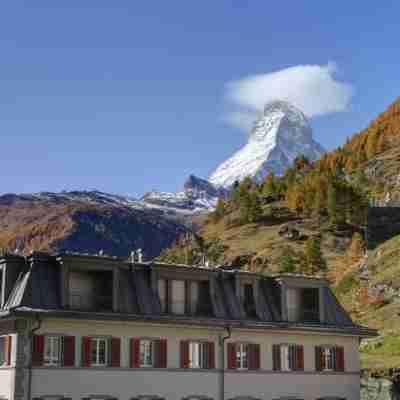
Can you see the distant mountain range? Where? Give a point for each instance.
(93, 221)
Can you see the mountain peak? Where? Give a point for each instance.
(280, 134)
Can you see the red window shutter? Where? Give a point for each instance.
(339, 359)
(276, 353)
(86, 347)
(115, 352)
(162, 353)
(135, 353)
(38, 350)
(184, 347)
(231, 356)
(211, 355)
(254, 356)
(299, 358)
(7, 349)
(68, 351)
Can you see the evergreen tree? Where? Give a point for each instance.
(269, 186)
(220, 210)
(313, 261)
(332, 204)
(287, 262)
(250, 208)
(372, 144)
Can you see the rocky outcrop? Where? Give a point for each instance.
(384, 385)
(383, 223)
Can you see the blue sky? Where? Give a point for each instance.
(129, 96)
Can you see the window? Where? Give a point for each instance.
(98, 352)
(90, 290)
(146, 353)
(1, 288)
(52, 350)
(242, 356)
(204, 304)
(248, 301)
(288, 357)
(329, 358)
(3, 350)
(163, 294)
(178, 297)
(285, 358)
(198, 355)
(303, 304)
(310, 304)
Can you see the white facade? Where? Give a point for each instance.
(174, 383)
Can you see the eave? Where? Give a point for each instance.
(355, 330)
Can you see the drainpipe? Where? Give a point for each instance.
(222, 340)
(31, 333)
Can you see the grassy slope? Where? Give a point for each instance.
(384, 266)
(263, 240)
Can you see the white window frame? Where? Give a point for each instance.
(285, 350)
(95, 341)
(55, 357)
(242, 352)
(198, 354)
(146, 353)
(328, 358)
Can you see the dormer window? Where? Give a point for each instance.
(91, 290)
(185, 297)
(303, 304)
(248, 302)
(203, 299)
(178, 297)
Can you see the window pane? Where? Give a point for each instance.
(194, 354)
(285, 361)
(329, 358)
(93, 353)
(245, 356)
(2, 350)
(178, 297)
(102, 351)
(204, 355)
(52, 350)
(146, 353)
(99, 352)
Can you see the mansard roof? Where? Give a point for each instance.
(34, 285)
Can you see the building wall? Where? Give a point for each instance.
(173, 383)
(6, 382)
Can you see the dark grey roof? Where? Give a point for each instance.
(38, 287)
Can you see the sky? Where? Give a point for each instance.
(130, 96)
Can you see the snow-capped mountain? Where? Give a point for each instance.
(197, 195)
(280, 135)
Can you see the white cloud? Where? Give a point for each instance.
(312, 88)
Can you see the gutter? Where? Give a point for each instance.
(31, 334)
(222, 340)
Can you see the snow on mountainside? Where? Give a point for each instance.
(280, 135)
(197, 195)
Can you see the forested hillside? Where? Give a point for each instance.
(313, 220)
